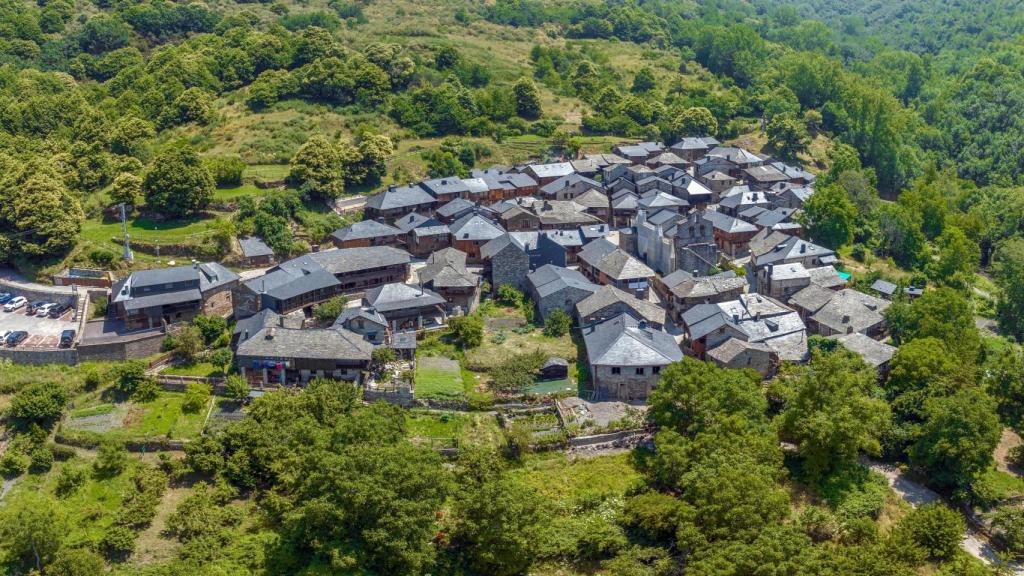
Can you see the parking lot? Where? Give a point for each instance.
(43, 332)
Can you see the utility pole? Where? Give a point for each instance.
(128, 256)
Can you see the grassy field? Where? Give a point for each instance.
(196, 369)
(556, 476)
(438, 377)
(14, 376)
(475, 428)
(160, 418)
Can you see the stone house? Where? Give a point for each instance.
(446, 274)
(398, 201)
(471, 232)
(608, 302)
(506, 262)
(289, 356)
(605, 263)
(552, 287)
(407, 307)
(626, 356)
(367, 233)
(152, 298)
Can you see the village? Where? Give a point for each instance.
(652, 252)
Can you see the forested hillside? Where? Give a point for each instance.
(210, 121)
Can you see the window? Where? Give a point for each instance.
(616, 370)
(639, 371)
(656, 370)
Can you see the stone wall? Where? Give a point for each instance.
(122, 349)
(59, 294)
(67, 356)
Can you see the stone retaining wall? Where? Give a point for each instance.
(67, 356)
(605, 438)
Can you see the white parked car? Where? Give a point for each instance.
(45, 309)
(15, 304)
(3, 336)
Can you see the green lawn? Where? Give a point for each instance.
(424, 424)
(1006, 485)
(161, 418)
(99, 232)
(266, 171)
(438, 377)
(231, 194)
(557, 477)
(196, 369)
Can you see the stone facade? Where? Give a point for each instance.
(510, 266)
(696, 250)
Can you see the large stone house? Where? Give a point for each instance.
(274, 354)
(626, 357)
(605, 263)
(506, 261)
(152, 298)
(751, 318)
(407, 307)
(446, 274)
(313, 278)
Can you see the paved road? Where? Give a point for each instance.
(915, 494)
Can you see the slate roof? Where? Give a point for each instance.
(476, 228)
(707, 286)
(793, 172)
(498, 244)
(792, 248)
(696, 143)
(289, 282)
(727, 351)
(826, 277)
(553, 170)
(765, 241)
(737, 200)
(253, 324)
(476, 185)
(667, 158)
(254, 247)
(873, 352)
(754, 318)
(728, 224)
(556, 186)
(563, 237)
(398, 296)
(811, 298)
(769, 218)
(445, 186)
(883, 287)
(457, 206)
(851, 310)
(766, 173)
(334, 343)
(202, 277)
(446, 268)
(736, 155)
(347, 260)
(414, 220)
(592, 198)
(400, 197)
(363, 230)
(626, 201)
(563, 212)
(662, 200)
(621, 342)
(549, 279)
(613, 261)
(354, 312)
(163, 299)
(594, 231)
(676, 278)
(606, 296)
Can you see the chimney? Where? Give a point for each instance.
(245, 335)
(735, 318)
(280, 321)
(270, 333)
(803, 248)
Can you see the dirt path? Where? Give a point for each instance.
(915, 494)
(151, 545)
(1007, 442)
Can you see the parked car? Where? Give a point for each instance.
(3, 336)
(44, 310)
(34, 305)
(67, 338)
(16, 337)
(15, 303)
(6, 297)
(58, 310)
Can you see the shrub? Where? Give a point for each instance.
(557, 324)
(226, 170)
(99, 307)
(468, 331)
(111, 458)
(222, 358)
(327, 312)
(70, 479)
(236, 388)
(205, 455)
(13, 463)
(39, 402)
(128, 375)
(118, 542)
(196, 397)
(40, 460)
(211, 328)
(383, 355)
(935, 528)
(93, 379)
(146, 391)
(103, 258)
(517, 373)
(75, 562)
(509, 295)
